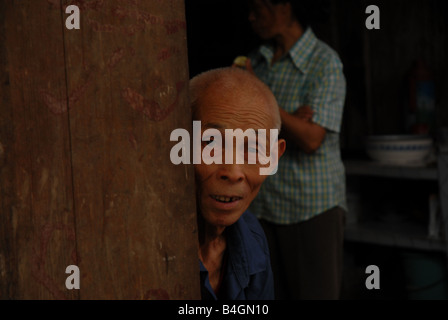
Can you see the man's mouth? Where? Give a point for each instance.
(225, 199)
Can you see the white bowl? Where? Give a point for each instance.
(399, 149)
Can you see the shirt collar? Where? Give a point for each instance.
(302, 50)
(299, 52)
(246, 257)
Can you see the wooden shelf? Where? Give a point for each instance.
(403, 234)
(372, 168)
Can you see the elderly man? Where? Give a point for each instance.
(233, 251)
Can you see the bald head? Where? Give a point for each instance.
(234, 91)
(238, 121)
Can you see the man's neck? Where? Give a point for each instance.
(211, 238)
(285, 40)
(212, 246)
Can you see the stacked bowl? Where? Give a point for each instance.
(399, 149)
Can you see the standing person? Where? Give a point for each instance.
(302, 207)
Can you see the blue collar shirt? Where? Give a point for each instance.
(248, 274)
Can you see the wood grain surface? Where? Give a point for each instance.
(85, 172)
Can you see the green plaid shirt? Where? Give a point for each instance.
(305, 184)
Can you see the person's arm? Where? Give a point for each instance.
(299, 128)
(307, 127)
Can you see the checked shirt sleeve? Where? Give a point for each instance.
(328, 96)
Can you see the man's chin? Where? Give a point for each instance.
(224, 219)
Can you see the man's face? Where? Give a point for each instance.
(267, 19)
(225, 191)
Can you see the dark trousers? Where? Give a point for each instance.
(307, 257)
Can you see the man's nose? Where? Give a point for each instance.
(231, 172)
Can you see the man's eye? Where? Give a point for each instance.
(262, 148)
(250, 147)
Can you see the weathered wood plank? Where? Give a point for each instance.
(37, 239)
(85, 173)
(135, 211)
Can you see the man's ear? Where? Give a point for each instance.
(274, 158)
(281, 145)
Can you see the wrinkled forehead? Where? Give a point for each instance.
(235, 106)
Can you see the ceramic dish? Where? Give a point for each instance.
(399, 149)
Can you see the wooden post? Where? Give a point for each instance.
(85, 173)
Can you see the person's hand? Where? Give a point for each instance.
(248, 66)
(305, 113)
